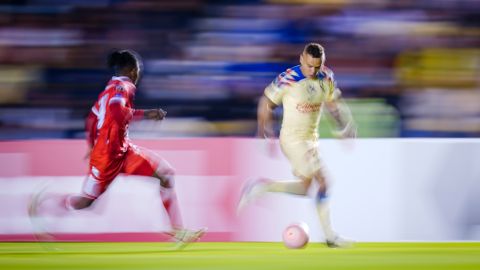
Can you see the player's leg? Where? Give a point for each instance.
(166, 175)
(303, 158)
(295, 187)
(34, 213)
(322, 207)
(256, 188)
(168, 195)
(45, 203)
(323, 211)
(141, 161)
(182, 236)
(51, 203)
(94, 185)
(83, 200)
(77, 202)
(300, 156)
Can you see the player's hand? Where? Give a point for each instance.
(266, 132)
(155, 114)
(272, 148)
(87, 155)
(348, 132)
(347, 135)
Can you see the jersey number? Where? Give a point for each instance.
(101, 111)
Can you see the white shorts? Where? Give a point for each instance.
(303, 156)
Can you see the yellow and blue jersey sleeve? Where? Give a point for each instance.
(282, 83)
(275, 93)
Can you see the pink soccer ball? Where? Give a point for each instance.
(296, 235)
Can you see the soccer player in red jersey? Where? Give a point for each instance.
(111, 151)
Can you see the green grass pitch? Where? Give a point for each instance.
(239, 255)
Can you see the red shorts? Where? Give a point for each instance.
(136, 161)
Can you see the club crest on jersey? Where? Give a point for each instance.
(119, 88)
(311, 90)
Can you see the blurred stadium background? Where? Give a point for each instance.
(408, 68)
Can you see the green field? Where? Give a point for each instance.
(245, 255)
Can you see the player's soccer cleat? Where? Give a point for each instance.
(39, 232)
(68, 203)
(184, 237)
(251, 191)
(339, 242)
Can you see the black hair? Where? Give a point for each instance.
(315, 50)
(123, 60)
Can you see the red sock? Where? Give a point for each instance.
(170, 202)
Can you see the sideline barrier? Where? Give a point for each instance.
(381, 190)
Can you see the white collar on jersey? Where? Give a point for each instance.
(121, 78)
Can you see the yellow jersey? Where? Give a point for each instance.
(302, 99)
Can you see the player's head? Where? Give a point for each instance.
(126, 63)
(312, 59)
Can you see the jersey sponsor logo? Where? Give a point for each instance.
(308, 107)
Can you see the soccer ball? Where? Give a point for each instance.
(296, 235)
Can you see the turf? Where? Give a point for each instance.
(243, 255)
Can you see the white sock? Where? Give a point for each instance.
(323, 212)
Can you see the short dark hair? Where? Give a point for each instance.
(315, 50)
(123, 60)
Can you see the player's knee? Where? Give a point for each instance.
(167, 181)
(321, 195)
(306, 183)
(321, 180)
(322, 186)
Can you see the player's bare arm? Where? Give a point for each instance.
(343, 118)
(91, 130)
(265, 117)
(155, 114)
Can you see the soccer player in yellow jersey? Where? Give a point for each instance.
(303, 91)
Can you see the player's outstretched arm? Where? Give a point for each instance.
(155, 114)
(265, 118)
(342, 115)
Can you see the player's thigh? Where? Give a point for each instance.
(145, 162)
(304, 158)
(98, 181)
